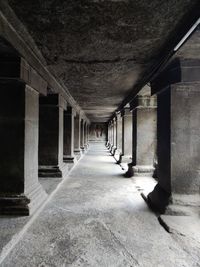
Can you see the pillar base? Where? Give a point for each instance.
(109, 146)
(117, 155)
(183, 205)
(130, 172)
(139, 170)
(83, 149)
(86, 147)
(77, 151)
(69, 159)
(50, 172)
(78, 154)
(158, 199)
(113, 150)
(124, 162)
(155, 172)
(22, 204)
(124, 159)
(192, 200)
(120, 159)
(14, 205)
(143, 170)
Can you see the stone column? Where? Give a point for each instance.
(77, 135)
(114, 148)
(82, 136)
(51, 135)
(20, 191)
(109, 136)
(118, 151)
(127, 129)
(112, 135)
(110, 145)
(85, 135)
(178, 131)
(88, 130)
(144, 136)
(68, 149)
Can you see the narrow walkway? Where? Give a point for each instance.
(97, 218)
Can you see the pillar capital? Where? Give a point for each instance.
(119, 116)
(70, 111)
(114, 119)
(178, 71)
(73, 112)
(143, 102)
(111, 122)
(126, 112)
(19, 69)
(53, 100)
(78, 116)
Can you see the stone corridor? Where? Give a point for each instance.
(98, 218)
(99, 133)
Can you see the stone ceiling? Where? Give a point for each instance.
(101, 49)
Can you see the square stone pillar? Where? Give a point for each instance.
(110, 135)
(178, 130)
(82, 136)
(20, 191)
(119, 133)
(51, 135)
(108, 140)
(118, 151)
(85, 136)
(114, 147)
(77, 135)
(88, 130)
(144, 136)
(127, 130)
(68, 148)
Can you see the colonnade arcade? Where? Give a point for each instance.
(41, 136)
(157, 134)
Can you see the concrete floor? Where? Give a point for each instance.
(98, 218)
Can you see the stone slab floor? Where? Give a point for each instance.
(98, 218)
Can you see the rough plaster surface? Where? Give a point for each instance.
(98, 218)
(101, 49)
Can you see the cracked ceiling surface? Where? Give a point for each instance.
(101, 49)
